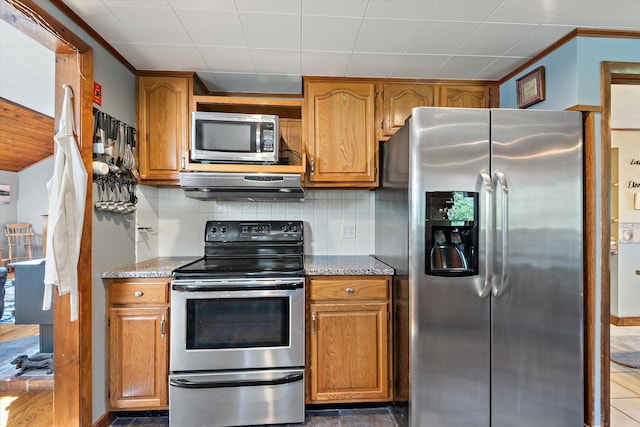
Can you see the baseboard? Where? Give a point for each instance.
(625, 321)
(105, 420)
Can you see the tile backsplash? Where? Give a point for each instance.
(337, 222)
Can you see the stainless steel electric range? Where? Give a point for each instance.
(237, 328)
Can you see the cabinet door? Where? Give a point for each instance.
(465, 96)
(163, 112)
(138, 358)
(397, 101)
(339, 127)
(349, 360)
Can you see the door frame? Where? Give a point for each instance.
(72, 404)
(611, 73)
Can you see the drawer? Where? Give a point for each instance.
(350, 289)
(139, 293)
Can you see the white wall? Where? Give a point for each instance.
(625, 284)
(177, 222)
(8, 211)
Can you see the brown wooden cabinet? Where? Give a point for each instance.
(349, 339)
(137, 343)
(164, 101)
(466, 96)
(338, 124)
(395, 102)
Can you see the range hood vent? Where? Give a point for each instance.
(259, 187)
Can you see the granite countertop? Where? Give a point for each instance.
(333, 265)
(318, 265)
(154, 267)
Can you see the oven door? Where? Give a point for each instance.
(237, 324)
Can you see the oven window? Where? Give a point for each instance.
(237, 323)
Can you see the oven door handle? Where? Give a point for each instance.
(184, 383)
(236, 285)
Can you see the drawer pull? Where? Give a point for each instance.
(349, 290)
(137, 294)
(162, 323)
(313, 323)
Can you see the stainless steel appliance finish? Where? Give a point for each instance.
(234, 138)
(237, 398)
(242, 186)
(237, 334)
(237, 324)
(504, 346)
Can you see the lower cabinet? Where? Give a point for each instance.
(349, 339)
(138, 344)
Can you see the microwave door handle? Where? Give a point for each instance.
(185, 383)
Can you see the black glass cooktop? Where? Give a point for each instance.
(241, 267)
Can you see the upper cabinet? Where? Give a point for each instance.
(395, 102)
(338, 128)
(163, 125)
(467, 96)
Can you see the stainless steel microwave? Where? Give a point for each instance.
(233, 138)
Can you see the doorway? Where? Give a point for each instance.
(72, 340)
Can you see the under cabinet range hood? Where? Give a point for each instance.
(267, 187)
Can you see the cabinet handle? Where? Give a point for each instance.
(313, 166)
(162, 323)
(349, 290)
(137, 294)
(313, 323)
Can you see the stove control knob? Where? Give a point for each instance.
(293, 228)
(223, 229)
(214, 229)
(285, 228)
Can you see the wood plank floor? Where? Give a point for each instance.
(26, 409)
(11, 331)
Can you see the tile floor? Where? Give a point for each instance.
(625, 387)
(362, 417)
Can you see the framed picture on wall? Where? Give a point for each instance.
(530, 88)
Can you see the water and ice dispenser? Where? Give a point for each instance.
(451, 241)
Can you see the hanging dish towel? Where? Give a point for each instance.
(67, 194)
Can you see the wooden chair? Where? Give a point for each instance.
(19, 237)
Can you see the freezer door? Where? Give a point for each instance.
(450, 378)
(537, 305)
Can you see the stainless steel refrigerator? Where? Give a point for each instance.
(480, 211)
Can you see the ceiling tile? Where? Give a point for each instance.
(273, 83)
(524, 12)
(272, 61)
(499, 68)
(236, 82)
(371, 64)
(495, 39)
(101, 19)
(352, 8)
(399, 9)
(209, 80)
(222, 5)
(587, 12)
(418, 66)
(325, 63)
(154, 4)
(227, 59)
(162, 57)
(540, 38)
(374, 35)
(627, 17)
(463, 10)
(431, 38)
(271, 31)
(165, 27)
(213, 28)
(270, 6)
(330, 34)
(463, 67)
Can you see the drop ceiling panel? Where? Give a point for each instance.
(399, 9)
(375, 34)
(463, 67)
(463, 10)
(415, 66)
(325, 63)
(221, 5)
(227, 59)
(329, 34)
(502, 66)
(441, 37)
(371, 64)
(271, 61)
(338, 8)
(495, 39)
(212, 28)
(271, 31)
(152, 25)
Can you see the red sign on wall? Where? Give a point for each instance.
(97, 93)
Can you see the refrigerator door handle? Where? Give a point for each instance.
(489, 234)
(504, 231)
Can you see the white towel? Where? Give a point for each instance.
(67, 195)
